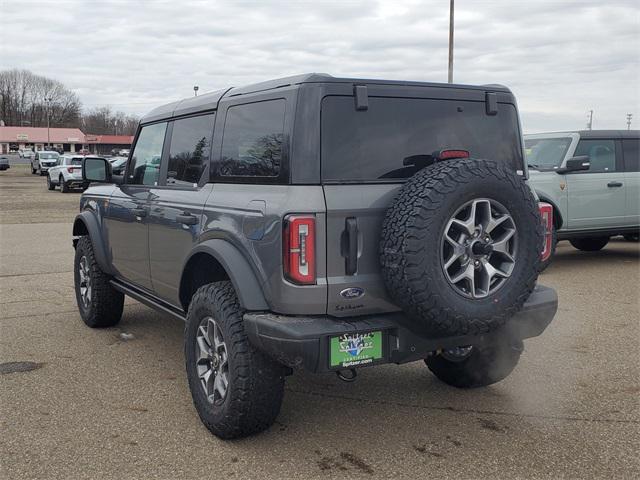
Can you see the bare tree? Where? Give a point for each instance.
(102, 121)
(27, 99)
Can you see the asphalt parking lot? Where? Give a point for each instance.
(99, 406)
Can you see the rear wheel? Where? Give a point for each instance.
(99, 303)
(236, 389)
(50, 185)
(64, 186)
(472, 367)
(590, 244)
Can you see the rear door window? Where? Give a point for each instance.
(252, 140)
(372, 145)
(190, 149)
(631, 149)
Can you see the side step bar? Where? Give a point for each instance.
(148, 300)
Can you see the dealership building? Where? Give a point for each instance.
(67, 139)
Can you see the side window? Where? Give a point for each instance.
(144, 168)
(602, 154)
(631, 149)
(190, 149)
(252, 140)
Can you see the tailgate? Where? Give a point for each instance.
(354, 220)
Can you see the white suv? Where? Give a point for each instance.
(42, 161)
(67, 174)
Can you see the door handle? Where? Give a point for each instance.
(351, 257)
(187, 219)
(614, 184)
(139, 212)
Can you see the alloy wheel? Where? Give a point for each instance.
(479, 247)
(85, 282)
(212, 361)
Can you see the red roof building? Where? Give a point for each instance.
(67, 139)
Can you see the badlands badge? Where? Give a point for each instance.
(355, 349)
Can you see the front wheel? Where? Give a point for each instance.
(472, 367)
(99, 303)
(236, 389)
(590, 244)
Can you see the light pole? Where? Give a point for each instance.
(48, 101)
(195, 90)
(629, 117)
(590, 124)
(450, 75)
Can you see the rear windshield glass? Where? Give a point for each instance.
(49, 156)
(76, 161)
(372, 145)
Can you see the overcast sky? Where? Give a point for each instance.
(561, 58)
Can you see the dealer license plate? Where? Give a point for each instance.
(355, 349)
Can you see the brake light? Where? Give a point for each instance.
(70, 169)
(546, 212)
(299, 254)
(448, 154)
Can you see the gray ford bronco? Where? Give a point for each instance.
(325, 224)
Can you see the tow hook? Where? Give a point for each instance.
(347, 378)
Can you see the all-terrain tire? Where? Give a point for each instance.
(410, 248)
(483, 366)
(106, 303)
(592, 244)
(50, 185)
(554, 243)
(255, 382)
(64, 186)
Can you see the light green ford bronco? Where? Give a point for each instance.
(592, 179)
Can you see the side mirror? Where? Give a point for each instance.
(576, 164)
(96, 170)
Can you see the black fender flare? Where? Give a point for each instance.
(242, 276)
(91, 226)
(556, 211)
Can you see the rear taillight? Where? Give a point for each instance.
(70, 169)
(299, 243)
(546, 212)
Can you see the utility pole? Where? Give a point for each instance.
(450, 75)
(629, 117)
(590, 124)
(195, 90)
(48, 100)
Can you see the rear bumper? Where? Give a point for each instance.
(304, 342)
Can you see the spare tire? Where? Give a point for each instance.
(460, 248)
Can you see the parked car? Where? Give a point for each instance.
(124, 152)
(67, 174)
(4, 163)
(43, 161)
(369, 234)
(84, 151)
(592, 180)
(118, 165)
(26, 153)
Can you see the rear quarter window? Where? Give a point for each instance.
(371, 145)
(252, 140)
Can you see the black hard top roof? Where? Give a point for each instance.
(209, 101)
